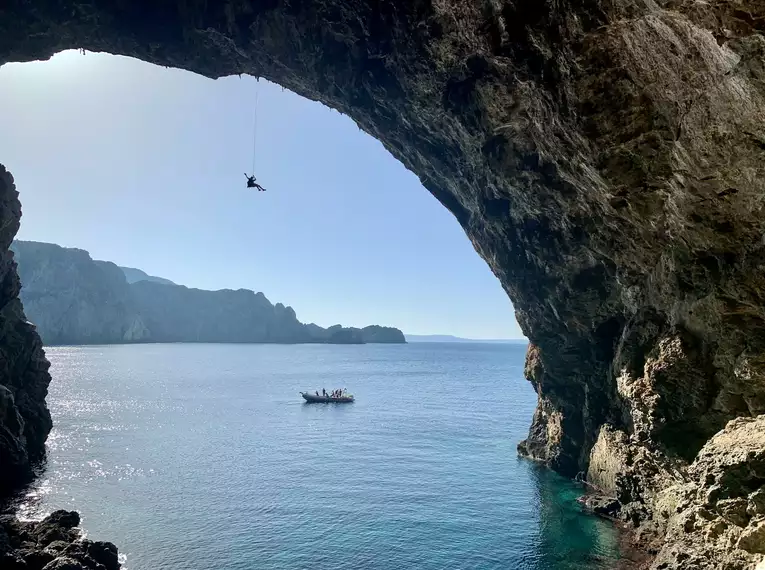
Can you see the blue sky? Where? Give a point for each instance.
(144, 166)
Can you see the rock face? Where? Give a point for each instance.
(73, 299)
(604, 158)
(52, 544)
(715, 517)
(24, 417)
(179, 314)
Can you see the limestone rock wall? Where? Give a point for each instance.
(24, 417)
(73, 299)
(604, 158)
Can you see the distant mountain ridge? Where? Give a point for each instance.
(73, 299)
(457, 339)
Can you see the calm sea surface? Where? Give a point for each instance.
(197, 457)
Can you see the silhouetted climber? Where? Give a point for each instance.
(252, 184)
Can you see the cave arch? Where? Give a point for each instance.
(606, 162)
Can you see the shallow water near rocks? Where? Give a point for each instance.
(204, 456)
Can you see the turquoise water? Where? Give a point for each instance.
(204, 456)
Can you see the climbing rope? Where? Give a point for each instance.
(255, 129)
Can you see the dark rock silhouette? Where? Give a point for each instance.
(24, 417)
(52, 544)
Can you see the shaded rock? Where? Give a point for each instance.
(753, 537)
(64, 563)
(734, 510)
(104, 553)
(11, 561)
(756, 503)
(62, 518)
(56, 547)
(94, 554)
(35, 558)
(603, 506)
(18, 533)
(58, 526)
(53, 542)
(24, 417)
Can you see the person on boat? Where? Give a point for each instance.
(323, 392)
(252, 184)
(317, 392)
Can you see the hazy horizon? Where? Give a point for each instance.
(143, 166)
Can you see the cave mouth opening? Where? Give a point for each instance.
(160, 152)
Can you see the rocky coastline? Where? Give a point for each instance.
(73, 299)
(606, 159)
(710, 514)
(54, 543)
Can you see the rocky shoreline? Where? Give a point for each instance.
(606, 159)
(706, 515)
(54, 543)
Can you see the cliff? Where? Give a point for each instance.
(606, 159)
(24, 417)
(174, 313)
(73, 299)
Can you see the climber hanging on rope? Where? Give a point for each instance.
(252, 184)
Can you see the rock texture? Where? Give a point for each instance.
(604, 158)
(714, 516)
(24, 417)
(52, 544)
(73, 299)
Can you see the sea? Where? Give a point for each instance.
(204, 456)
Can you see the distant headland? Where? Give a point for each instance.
(74, 299)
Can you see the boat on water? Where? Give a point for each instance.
(314, 399)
